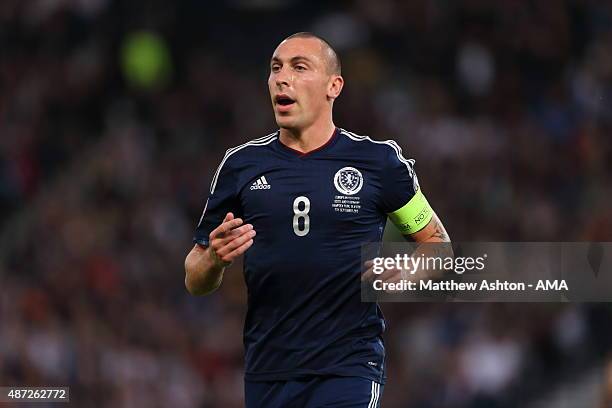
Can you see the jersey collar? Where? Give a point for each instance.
(296, 153)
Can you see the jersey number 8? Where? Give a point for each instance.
(303, 214)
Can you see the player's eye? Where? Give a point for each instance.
(300, 68)
(275, 68)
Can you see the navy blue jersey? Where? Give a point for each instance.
(312, 212)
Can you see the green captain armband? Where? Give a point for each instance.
(413, 216)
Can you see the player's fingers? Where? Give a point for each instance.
(392, 275)
(228, 217)
(220, 243)
(235, 233)
(225, 227)
(369, 274)
(235, 243)
(240, 250)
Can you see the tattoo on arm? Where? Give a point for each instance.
(440, 232)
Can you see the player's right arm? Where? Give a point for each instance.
(219, 237)
(204, 265)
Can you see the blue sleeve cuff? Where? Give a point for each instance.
(201, 238)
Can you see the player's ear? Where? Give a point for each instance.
(336, 82)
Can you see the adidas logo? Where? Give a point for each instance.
(260, 184)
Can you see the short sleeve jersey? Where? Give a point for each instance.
(312, 212)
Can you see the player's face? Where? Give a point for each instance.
(299, 83)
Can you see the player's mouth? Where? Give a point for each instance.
(283, 102)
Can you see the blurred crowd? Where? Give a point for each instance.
(114, 115)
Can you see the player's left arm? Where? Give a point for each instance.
(434, 242)
(411, 212)
(434, 231)
(412, 215)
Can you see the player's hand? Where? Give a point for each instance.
(393, 275)
(230, 240)
(389, 275)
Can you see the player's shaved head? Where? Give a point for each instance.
(330, 55)
(304, 81)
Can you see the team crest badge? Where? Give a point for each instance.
(348, 180)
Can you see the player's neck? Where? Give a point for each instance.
(308, 139)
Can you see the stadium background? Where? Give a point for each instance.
(114, 115)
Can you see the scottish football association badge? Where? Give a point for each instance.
(348, 180)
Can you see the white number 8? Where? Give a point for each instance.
(297, 214)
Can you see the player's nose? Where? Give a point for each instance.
(282, 78)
